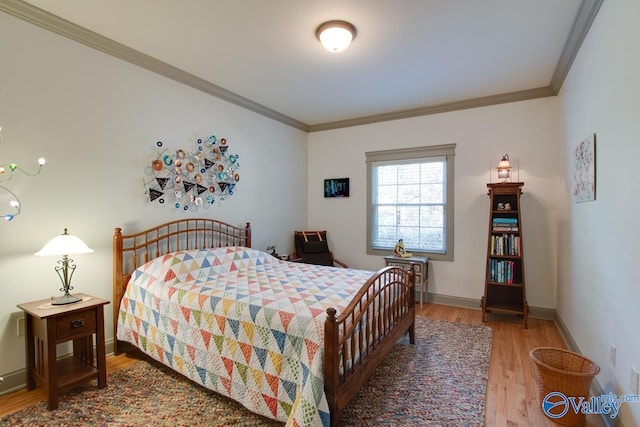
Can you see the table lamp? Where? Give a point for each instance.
(65, 245)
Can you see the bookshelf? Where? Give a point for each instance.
(504, 283)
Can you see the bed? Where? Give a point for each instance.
(293, 342)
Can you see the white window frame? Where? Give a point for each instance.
(405, 155)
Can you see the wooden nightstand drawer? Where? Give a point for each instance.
(75, 324)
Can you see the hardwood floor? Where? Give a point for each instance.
(512, 394)
(13, 402)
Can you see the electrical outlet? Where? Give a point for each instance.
(20, 329)
(612, 355)
(635, 381)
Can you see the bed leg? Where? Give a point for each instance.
(334, 418)
(412, 333)
(331, 365)
(412, 296)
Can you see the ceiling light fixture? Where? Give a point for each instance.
(336, 36)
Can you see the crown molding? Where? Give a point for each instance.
(34, 15)
(585, 17)
(522, 95)
(48, 21)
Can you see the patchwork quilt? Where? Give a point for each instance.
(242, 323)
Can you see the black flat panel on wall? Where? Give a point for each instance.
(336, 187)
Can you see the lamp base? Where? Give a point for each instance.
(65, 299)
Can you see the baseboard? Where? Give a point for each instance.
(17, 380)
(471, 303)
(568, 339)
(13, 381)
(596, 389)
(474, 304)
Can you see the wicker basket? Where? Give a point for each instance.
(564, 372)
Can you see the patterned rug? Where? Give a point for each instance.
(441, 381)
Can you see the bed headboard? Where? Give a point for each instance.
(133, 250)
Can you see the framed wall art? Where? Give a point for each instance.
(336, 187)
(584, 170)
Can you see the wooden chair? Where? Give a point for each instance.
(312, 248)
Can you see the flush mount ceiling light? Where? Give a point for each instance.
(336, 36)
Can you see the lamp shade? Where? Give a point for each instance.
(503, 168)
(64, 244)
(504, 163)
(336, 36)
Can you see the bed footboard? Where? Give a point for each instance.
(358, 339)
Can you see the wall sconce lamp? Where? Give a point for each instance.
(65, 245)
(10, 169)
(336, 36)
(504, 168)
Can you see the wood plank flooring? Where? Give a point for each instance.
(512, 393)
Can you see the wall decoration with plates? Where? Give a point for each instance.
(187, 179)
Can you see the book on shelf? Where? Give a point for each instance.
(501, 228)
(505, 244)
(505, 220)
(504, 224)
(501, 271)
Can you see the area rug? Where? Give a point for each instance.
(440, 381)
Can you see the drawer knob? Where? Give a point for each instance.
(77, 323)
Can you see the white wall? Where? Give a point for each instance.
(96, 120)
(599, 291)
(527, 131)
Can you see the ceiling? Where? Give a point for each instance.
(409, 58)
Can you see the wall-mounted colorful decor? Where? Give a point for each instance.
(188, 179)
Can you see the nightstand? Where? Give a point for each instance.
(49, 325)
(421, 265)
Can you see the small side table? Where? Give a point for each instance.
(48, 325)
(421, 265)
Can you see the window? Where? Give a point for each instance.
(411, 198)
